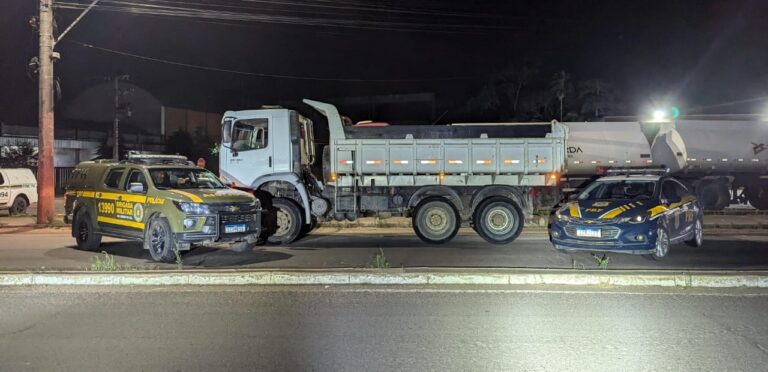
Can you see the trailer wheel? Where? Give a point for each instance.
(435, 220)
(498, 220)
(290, 221)
(714, 196)
(758, 197)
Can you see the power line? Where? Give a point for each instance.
(235, 16)
(264, 75)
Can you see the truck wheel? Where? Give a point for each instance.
(435, 220)
(18, 207)
(498, 220)
(159, 241)
(714, 196)
(290, 221)
(85, 236)
(758, 197)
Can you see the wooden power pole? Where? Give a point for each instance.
(45, 173)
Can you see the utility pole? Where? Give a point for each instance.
(116, 141)
(45, 172)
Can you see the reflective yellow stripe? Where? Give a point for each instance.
(122, 197)
(657, 210)
(574, 210)
(117, 221)
(191, 196)
(612, 213)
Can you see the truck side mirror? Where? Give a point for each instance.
(226, 131)
(136, 188)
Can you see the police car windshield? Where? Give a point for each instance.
(619, 189)
(185, 179)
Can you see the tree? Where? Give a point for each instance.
(598, 98)
(561, 87)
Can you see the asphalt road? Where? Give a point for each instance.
(380, 329)
(355, 248)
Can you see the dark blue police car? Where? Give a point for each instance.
(629, 213)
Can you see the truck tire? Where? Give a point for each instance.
(19, 206)
(758, 197)
(435, 220)
(85, 236)
(159, 240)
(714, 196)
(290, 221)
(498, 220)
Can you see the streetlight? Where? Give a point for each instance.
(659, 115)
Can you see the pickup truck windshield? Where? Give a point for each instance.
(623, 189)
(185, 179)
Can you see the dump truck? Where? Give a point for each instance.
(442, 176)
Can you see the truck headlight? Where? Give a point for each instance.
(192, 208)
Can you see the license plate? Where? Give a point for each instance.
(229, 229)
(588, 232)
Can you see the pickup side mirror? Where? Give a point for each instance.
(136, 188)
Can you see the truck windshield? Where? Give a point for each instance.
(619, 189)
(168, 178)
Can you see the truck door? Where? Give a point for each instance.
(5, 189)
(251, 153)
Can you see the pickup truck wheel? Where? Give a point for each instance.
(85, 236)
(18, 207)
(159, 241)
(435, 221)
(290, 221)
(498, 220)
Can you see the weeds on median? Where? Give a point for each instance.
(380, 261)
(107, 263)
(179, 261)
(602, 262)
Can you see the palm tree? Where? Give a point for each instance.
(561, 86)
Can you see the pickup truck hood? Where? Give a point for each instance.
(211, 196)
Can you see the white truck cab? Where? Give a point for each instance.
(18, 189)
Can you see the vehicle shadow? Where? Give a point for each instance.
(202, 257)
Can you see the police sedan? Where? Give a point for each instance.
(631, 213)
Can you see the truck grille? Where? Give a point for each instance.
(606, 232)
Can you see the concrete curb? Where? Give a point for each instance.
(395, 277)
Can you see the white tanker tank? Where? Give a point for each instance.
(725, 161)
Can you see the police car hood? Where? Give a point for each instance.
(211, 196)
(607, 209)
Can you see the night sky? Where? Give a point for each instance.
(700, 55)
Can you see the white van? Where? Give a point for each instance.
(18, 189)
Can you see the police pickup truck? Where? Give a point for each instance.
(164, 201)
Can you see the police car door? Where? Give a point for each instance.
(133, 201)
(5, 188)
(673, 216)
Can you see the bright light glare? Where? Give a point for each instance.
(659, 115)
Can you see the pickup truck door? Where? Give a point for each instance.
(250, 154)
(5, 189)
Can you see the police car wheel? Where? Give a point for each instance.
(697, 239)
(289, 219)
(498, 220)
(86, 238)
(435, 220)
(661, 249)
(159, 240)
(18, 207)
